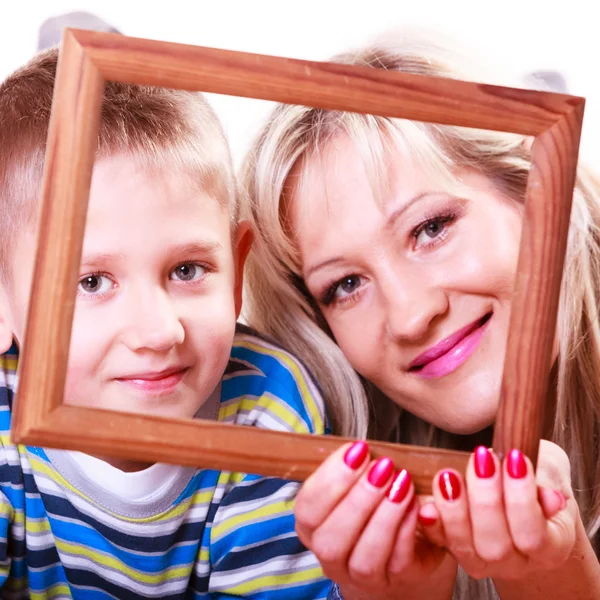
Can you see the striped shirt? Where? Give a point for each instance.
(211, 534)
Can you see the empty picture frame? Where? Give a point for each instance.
(87, 59)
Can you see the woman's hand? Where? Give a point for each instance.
(359, 517)
(506, 522)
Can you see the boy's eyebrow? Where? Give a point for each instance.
(101, 258)
(203, 247)
(195, 247)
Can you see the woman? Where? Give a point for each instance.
(385, 256)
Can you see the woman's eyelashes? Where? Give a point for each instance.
(341, 290)
(427, 234)
(433, 230)
(99, 284)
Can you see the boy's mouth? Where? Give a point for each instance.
(155, 381)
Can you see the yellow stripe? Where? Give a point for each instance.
(307, 397)
(278, 508)
(13, 584)
(37, 525)
(8, 363)
(276, 581)
(237, 477)
(270, 404)
(59, 590)
(6, 441)
(6, 510)
(203, 555)
(113, 563)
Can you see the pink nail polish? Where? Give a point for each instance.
(425, 520)
(355, 455)
(484, 463)
(381, 472)
(400, 487)
(449, 485)
(516, 466)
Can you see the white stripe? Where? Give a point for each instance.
(277, 566)
(118, 578)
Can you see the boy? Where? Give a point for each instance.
(155, 322)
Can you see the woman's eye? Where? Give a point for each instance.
(347, 286)
(95, 284)
(431, 229)
(188, 272)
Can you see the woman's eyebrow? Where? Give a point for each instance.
(391, 220)
(398, 212)
(321, 265)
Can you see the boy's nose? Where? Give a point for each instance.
(153, 325)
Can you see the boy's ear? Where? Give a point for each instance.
(6, 334)
(243, 243)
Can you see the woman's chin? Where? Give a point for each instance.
(465, 426)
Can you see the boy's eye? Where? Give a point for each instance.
(188, 272)
(95, 284)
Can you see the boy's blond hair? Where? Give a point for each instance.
(158, 127)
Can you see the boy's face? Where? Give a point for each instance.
(158, 295)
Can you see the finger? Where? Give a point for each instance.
(452, 503)
(403, 551)
(369, 559)
(551, 501)
(324, 489)
(430, 521)
(491, 536)
(339, 533)
(526, 521)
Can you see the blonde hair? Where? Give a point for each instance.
(280, 304)
(157, 127)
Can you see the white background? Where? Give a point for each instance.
(522, 35)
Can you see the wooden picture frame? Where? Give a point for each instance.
(87, 59)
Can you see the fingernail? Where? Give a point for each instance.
(381, 472)
(400, 487)
(425, 520)
(561, 497)
(516, 465)
(449, 485)
(484, 463)
(356, 455)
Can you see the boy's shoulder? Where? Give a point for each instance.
(258, 354)
(262, 379)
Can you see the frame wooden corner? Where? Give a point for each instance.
(87, 59)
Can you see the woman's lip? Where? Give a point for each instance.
(455, 355)
(447, 344)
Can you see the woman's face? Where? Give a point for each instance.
(415, 288)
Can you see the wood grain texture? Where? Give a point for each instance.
(67, 176)
(87, 58)
(210, 444)
(324, 85)
(532, 328)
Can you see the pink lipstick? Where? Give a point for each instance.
(446, 356)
